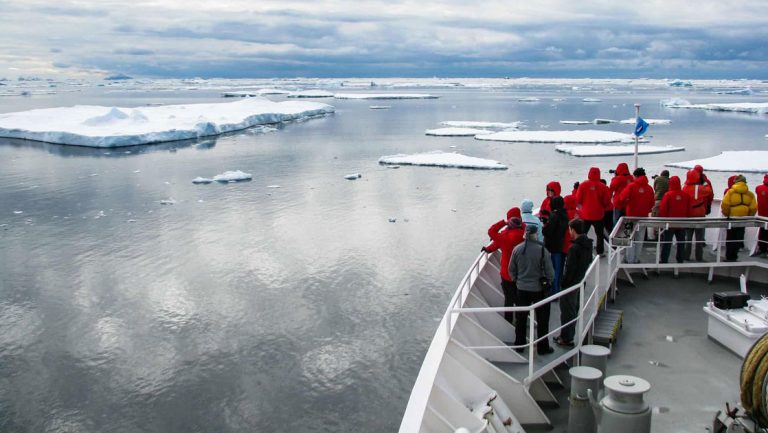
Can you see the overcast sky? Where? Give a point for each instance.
(413, 38)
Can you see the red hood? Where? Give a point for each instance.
(594, 174)
(674, 183)
(765, 179)
(514, 213)
(731, 180)
(644, 180)
(698, 168)
(570, 202)
(622, 169)
(555, 186)
(692, 178)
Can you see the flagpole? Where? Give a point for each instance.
(637, 139)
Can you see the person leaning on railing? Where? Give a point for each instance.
(701, 205)
(675, 203)
(738, 202)
(506, 235)
(637, 200)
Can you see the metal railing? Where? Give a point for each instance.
(590, 291)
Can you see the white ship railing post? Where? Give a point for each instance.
(531, 326)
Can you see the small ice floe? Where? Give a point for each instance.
(137, 171)
(354, 176)
(393, 167)
(679, 83)
(591, 100)
(232, 176)
(578, 136)
(18, 212)
(384, 96)
(201, 180)
(482, 125)
(737, 107)
(632, 121)
(739, 161)
(442, 159)
(745, 91)
(273, 186)
(93, 174)
(131, 221)
(614, 150)
(379, 107)
(239, 94)
(455, 132)
(168, 201)
(603, 121)
(101, 214)
(675, 103)
(392, 220)
(311, 94)
(453, 210)
(576, 122)
(558, 99)
(670, 338)
(528, 99)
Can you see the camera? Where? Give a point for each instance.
(612, 171)
(654, 176)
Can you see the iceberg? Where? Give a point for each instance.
(384, 96)
(737, 161)
(603, 150)
(584, 136)
(311, 94)
(442, 159)
(201, 180)
(738, 107)
(576, 122)
(455, 132)
(679, 83)
(486, 125)
(98, 126)
(232, 176)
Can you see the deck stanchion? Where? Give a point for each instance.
(531, 326)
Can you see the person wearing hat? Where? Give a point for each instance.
(738, 202)
(576, 266)
(506, 235)
(531, 269)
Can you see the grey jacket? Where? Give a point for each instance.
(525, 266)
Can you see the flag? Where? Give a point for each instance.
(640, 127)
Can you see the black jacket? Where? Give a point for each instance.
(554, 230)
(577, 262)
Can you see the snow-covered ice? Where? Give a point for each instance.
(576, 122)
(476, 124)
(592, 100)
(200, 180)
(384, 96)
(746, 161)
(529, 99)
(740, 107)
(456, 132)
(310, 94)
(98, 126)
(579, 136)
(168, 201)
(353, 176)
(675, 102)
(442, 159)
(605, 150)
(599, 121)
(379, 107)
(232, 176)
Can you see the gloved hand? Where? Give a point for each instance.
(483, 250)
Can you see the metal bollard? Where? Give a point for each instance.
(595, 356)
(581, 418)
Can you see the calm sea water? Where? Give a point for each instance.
(244, 307)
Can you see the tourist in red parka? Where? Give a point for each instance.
(701, 204)
(674, 204)
(553, 190)
(637, 200)
(592, 199)
(621, 179)
(570, 209)
(506, 235)
(761, 192)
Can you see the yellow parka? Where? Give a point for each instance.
(739, 201)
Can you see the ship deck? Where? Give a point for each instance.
(664, 340)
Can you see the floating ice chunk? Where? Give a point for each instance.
(603, 121)
(679, 83)
(239, 94)
(442, 159)
(232, 176)
(379, 107)
(455, 132)
(584, 136)
(97, 126)
(746, 91)
(393, 166)
(528, 99)
(482, 125)
(740, 107)
(18, 212)
(168, 201)
(310, 94)
(558, 99)
(670, 338)
(354, 176)
(575, 122)
(200, 180)
(273, 186)
(606, 150)
(675, 102)
(744, 161)
(131, 221)
(632, 121)
(591, 100)
(384, 96)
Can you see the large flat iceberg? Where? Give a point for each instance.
(442, 159)
(739, 107)
(485, 125)
(603, 150)
(384, 96)
(579, 136)
(97, 126)
(746, 161)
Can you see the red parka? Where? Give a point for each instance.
(637, 198)
(506, 240)
(762, 197)
(620, 180)
(554, 186)
(593, 197)
(676, 203)
(700, 193)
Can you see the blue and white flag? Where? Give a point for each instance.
(640, 127)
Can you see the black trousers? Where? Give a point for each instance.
(569, 308)
(762, 245)
(599, 234)
(734, 240)
(510, 298)
(524, 299)
(666, 246)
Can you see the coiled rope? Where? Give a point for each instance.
(753, 383)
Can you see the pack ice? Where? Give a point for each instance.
(744, 161)
(578, 136)
(613, 150)
(442, 159)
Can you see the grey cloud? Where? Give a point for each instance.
(73, 11)
(134, 51)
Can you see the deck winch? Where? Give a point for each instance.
(623, 409)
